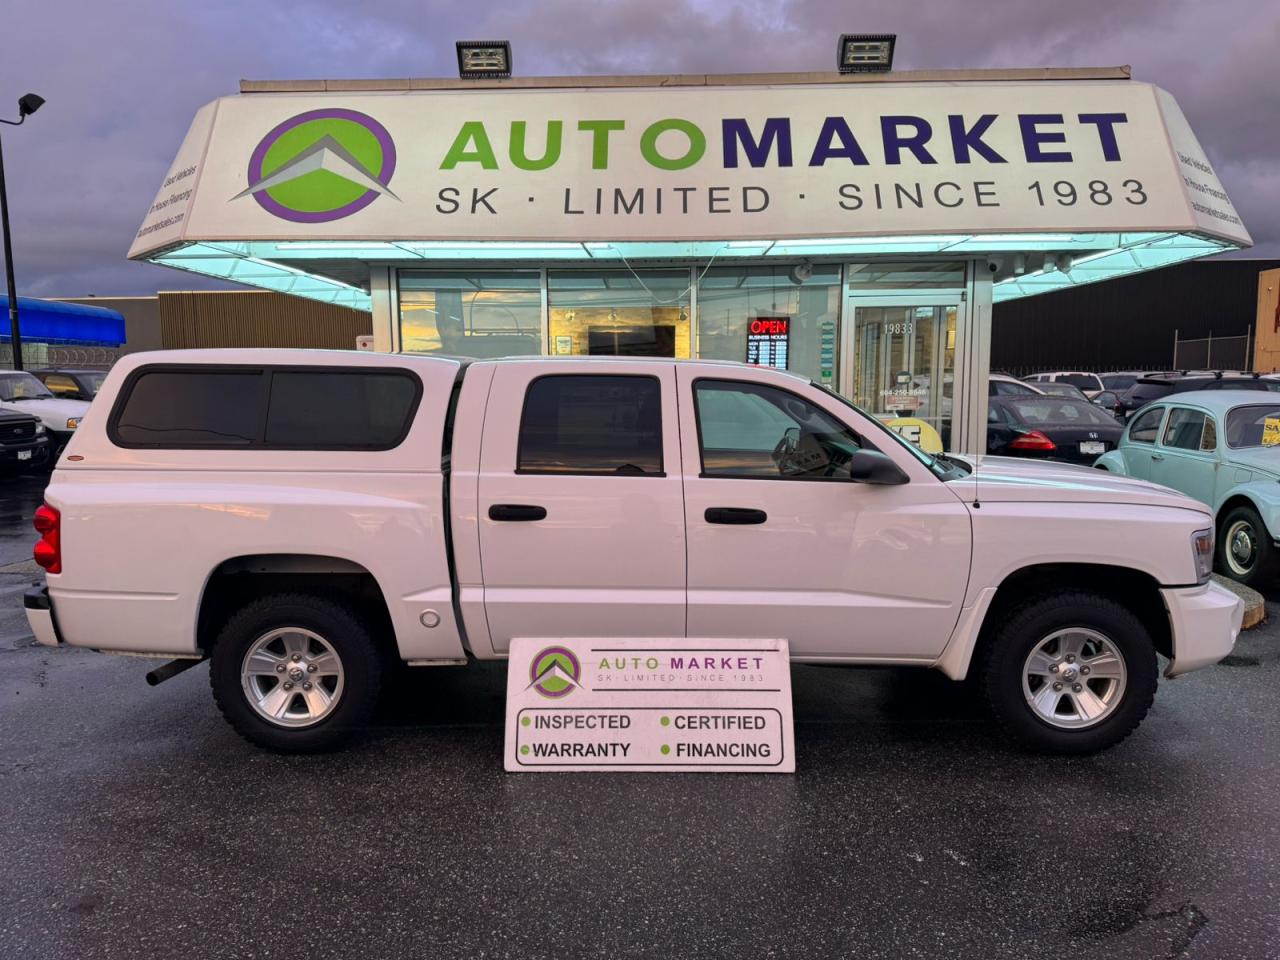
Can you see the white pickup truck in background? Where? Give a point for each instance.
(301, 519)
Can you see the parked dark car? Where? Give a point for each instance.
(1147, 389)
(72, 384)
(24, 442)
(1050, 428)
(1108, 400)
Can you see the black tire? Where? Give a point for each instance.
(1261, 570)
(341, 628)
(1024, 627)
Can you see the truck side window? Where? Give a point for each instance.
(340, 409)
(753, 430)
(281, 408)
(585, 423)
(191, 409)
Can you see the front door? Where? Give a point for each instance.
(581, 510)
(1186, 457)
(901, 364)
(782, 544)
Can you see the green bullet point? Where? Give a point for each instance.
(665, 749)
(665, 721)
(524, 721)
(524, 749)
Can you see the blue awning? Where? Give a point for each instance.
(48, 321)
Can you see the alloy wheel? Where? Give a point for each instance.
(1074, 678)
(292, 677)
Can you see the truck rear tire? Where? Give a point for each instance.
(1071, 673)
(295, 673)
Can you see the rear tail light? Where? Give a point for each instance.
(48, 550)
(1033, 440)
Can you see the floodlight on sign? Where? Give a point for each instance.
(866, 52)
(484, 59)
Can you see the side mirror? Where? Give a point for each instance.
(871, 466)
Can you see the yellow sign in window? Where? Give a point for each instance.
(1271, 431)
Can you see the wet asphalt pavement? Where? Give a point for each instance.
(136, 824)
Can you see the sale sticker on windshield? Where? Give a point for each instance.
(1271, 431)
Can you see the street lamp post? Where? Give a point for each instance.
(27, 105)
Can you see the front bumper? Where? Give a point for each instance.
(40, 616)
(36, 450)
(1205, 621)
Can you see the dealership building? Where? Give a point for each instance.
(852, 228)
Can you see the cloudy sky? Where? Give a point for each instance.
(124, 77)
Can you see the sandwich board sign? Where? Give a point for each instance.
(646, 705)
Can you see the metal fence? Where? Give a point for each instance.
(1212, 353)
(36, 355)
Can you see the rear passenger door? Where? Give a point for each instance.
(581, 508)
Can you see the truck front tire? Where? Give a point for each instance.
(1070, 673)
(295, 673)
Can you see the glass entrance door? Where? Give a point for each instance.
(900, 365)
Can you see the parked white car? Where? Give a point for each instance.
(22, 392)
(1088, 383)
(299, 518)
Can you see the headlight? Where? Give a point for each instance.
(1202, 552)
(39, 429)
(73, 422)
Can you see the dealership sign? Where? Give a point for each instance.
(649, 705)
(691, 163)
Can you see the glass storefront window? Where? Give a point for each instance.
(910, 276)
(618, 312)
(736, 305)
(471, 313)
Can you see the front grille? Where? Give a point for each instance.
(17, 432)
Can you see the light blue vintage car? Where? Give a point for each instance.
(1220, 447)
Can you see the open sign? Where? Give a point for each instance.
(767, 341)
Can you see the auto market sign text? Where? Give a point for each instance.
(649, 705)
(696, 163)
(675, 143)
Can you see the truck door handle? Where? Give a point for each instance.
(1157, 456)
(517, 511)
(737, 516)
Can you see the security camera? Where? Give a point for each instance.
(800, 272)
(994, 264)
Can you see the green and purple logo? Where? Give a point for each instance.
(321, 165)
(555, 672)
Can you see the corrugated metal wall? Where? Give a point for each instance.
(1127, 323)
(257, 319)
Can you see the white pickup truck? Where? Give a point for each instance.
(304, 519)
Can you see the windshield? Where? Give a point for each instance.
(1059, 410)
(22, 386)
(1085, 381)
(1062, 390)
(91, 381)
(944, 467)
(1247, 426)
(1119, 381)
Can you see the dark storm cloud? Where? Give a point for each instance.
(123, 80)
